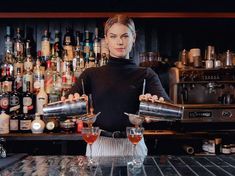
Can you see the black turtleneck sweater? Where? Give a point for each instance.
(115, 89)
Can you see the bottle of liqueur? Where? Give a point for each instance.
(31, 48)
(45, 50)
(68, 43)
(4, 99)
(19, 64)
(28, 78)
(37, 77)
(56, 90)
(37, 125)
(15, 101)
(14, 125)
(48, 77)
(42, 98)
(8, 81)
(8, 41)
(18, 43)
(86, 49)
(25, 121)
(97, 47)
(29, 101)
(57, 46)
(52, 125)
(19, 80)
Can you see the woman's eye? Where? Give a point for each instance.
(125, 36)
(112, 36)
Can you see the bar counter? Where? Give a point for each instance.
(221, 165)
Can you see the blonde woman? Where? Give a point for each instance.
(115, 89)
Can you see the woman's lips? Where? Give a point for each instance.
(119, 49)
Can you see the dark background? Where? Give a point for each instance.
(118, 5)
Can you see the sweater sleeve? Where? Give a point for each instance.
(77, 87)
(154, 86)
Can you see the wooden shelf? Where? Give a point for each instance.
(42, 137)
(8, 15)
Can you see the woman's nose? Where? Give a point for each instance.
(120, 41)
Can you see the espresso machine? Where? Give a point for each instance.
(207, 95)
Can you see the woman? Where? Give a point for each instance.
(115, 89)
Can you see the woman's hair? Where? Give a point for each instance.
(122, 19)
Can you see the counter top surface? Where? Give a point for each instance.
(153, 165)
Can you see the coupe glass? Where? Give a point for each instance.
(135, 135)
(90, 134)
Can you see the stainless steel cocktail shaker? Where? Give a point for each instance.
(66, 108)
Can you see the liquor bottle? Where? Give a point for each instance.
(68, 43)
(57, 44)
(45, 50)
(37, 125)
(14, 123)
(31, 48)
(15, 101)
(18, 43)
(8, 81)
(86, 49)
(67, 77)
(37, 77)
(19, 64)
(19, 80)
(56, 90)
(97, 47)
(29, 100)
(4, 99)
(28, 77)
(42, 98)
(25, 121)
(4, 123)
(8, 41)
(48, 77)
(52, 125)
(28, 63)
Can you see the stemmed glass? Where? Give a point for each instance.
(135, 134)
(90, 134)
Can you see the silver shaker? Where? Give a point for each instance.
(161, 109)
(66, 108)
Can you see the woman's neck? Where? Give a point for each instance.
(124, 57)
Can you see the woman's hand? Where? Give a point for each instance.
(71, 97)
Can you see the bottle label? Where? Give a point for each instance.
(25, 125)
(19, 65)
(28, 65)
(7, 85)
(19, 82)
(36, 126)
(14, 124)
(27, 101)
(70, 54)
(27, 77)
(8, 46)
(15, 108)
(87, 49)
(4, 102)
(45, 48)
(14, 100)
(18, 47)
(48, 83)
(36, 84)
(50, 125)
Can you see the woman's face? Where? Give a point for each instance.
(119, 39)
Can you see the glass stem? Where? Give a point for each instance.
(90, 151)
(134, 151)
